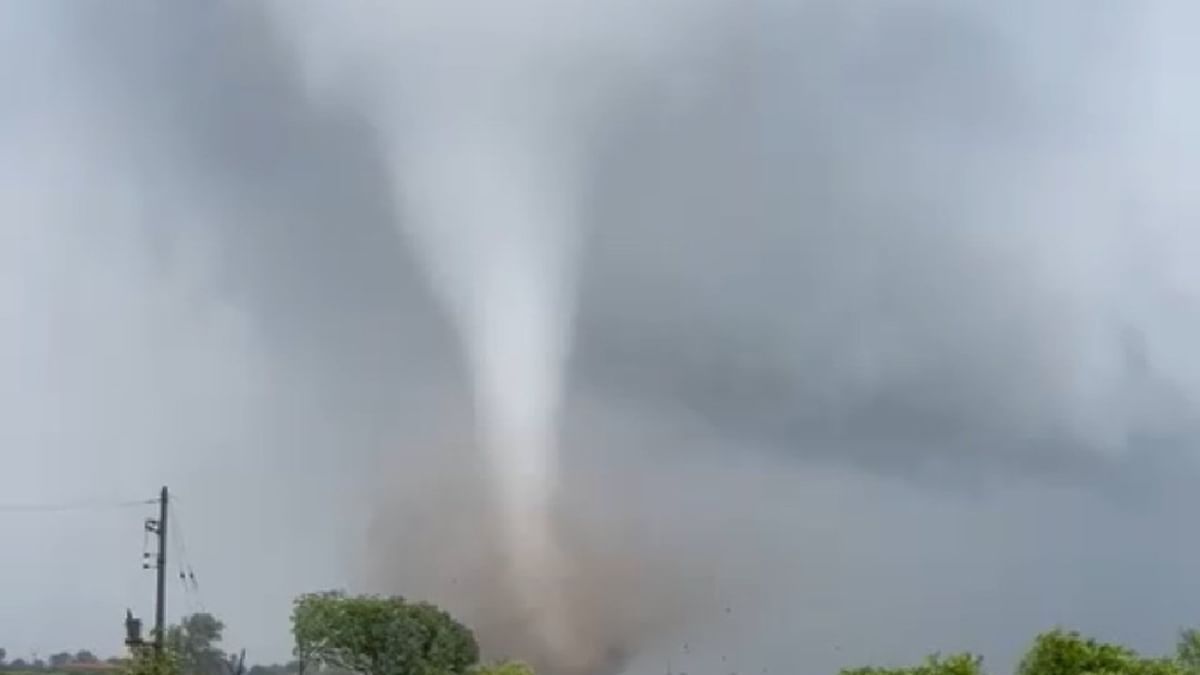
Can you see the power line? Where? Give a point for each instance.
(74, 506)
(187, 576)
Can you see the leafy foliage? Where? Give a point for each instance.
(148, 662)
(380, 635)
(1187, 651)
(372, 635)
(195, 641)
(956, 664)
(1060, 652)
(503, 668)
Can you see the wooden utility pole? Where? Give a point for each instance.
(160, 600)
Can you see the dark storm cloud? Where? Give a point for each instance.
(307, 234)
(808, 242)
(849, 251)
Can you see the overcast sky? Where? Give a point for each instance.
(884, 340)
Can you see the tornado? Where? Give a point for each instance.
(489, 202)
(485, 110)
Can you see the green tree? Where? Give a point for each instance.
(1187, 651)
(195, 642)
(3, 655)
(380, 635)
(1060, 652)
(955, 664)
(503, 668)
(59, 660)
(149, 662)
(84, 656)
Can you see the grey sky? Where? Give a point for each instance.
(884, 334)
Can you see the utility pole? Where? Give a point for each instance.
(160, 601)
(159, 529)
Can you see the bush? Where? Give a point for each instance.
(503, 668)
(381, 635)
(1060, 652)
(147, 661)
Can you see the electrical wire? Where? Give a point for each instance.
(73, 506)
(181, 556)
(185, 571)
(186, 574)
